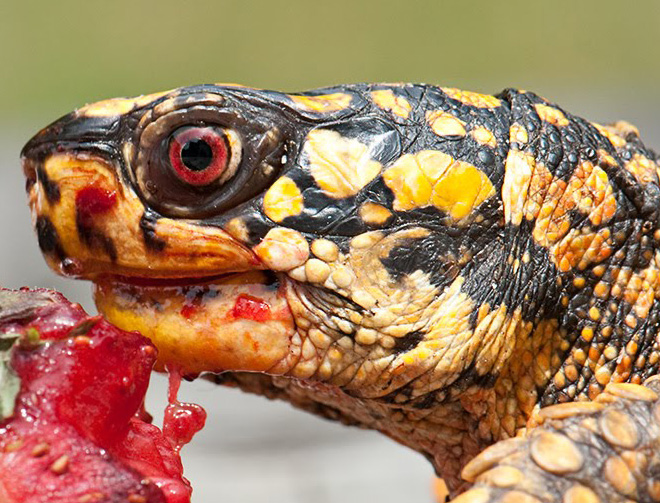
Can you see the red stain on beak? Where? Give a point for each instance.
(92, 201)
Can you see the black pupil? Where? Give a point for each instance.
(196, 155)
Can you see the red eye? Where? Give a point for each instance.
(199, 155)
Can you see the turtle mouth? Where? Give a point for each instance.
(236, 321)
(269, 278)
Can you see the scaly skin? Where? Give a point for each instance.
(604, 450)
(432, 263)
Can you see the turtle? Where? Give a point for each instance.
(476, 276)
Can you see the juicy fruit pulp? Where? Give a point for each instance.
(182, 420)
(77, 432)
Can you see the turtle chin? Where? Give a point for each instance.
(238, 322)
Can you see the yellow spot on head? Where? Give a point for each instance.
(611, 135)
(325, 250)
(237, 228)
(340, 166)
(484, 136)
(316, 271)
(445, 124)
(118, 106)
(326, 103)
(434, 178)
(374, 214)
(551, 115)
(283, 199)
(234, 84)
(387, 100)
(282, 249)
(472, 98)
(518, 134)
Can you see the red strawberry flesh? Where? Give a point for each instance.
(77, 433)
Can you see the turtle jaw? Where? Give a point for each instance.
(233, 322)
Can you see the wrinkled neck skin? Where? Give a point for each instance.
(473, 379)
(479, 373)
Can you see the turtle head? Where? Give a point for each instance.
(293, 235)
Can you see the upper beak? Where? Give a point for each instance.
(71, 132)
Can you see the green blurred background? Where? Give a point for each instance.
(599, 59)
(58, 54)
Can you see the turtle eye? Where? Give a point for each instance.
(200, 155)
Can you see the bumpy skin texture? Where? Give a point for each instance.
(433, 263)
(605, 450)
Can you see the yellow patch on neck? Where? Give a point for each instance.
(551, 115)
(387, 100)
(374, 214)
(483, 136)
(471, 98)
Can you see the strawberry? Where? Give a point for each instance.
(72, 427)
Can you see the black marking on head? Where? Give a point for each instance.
(51, 189)
(95, 238)
(408, 341)
(73, 132)
(49, 241)
(382, 137)
(256, 223)
(334, 218)
(322, 215)
(148, 228)
(486, 156)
